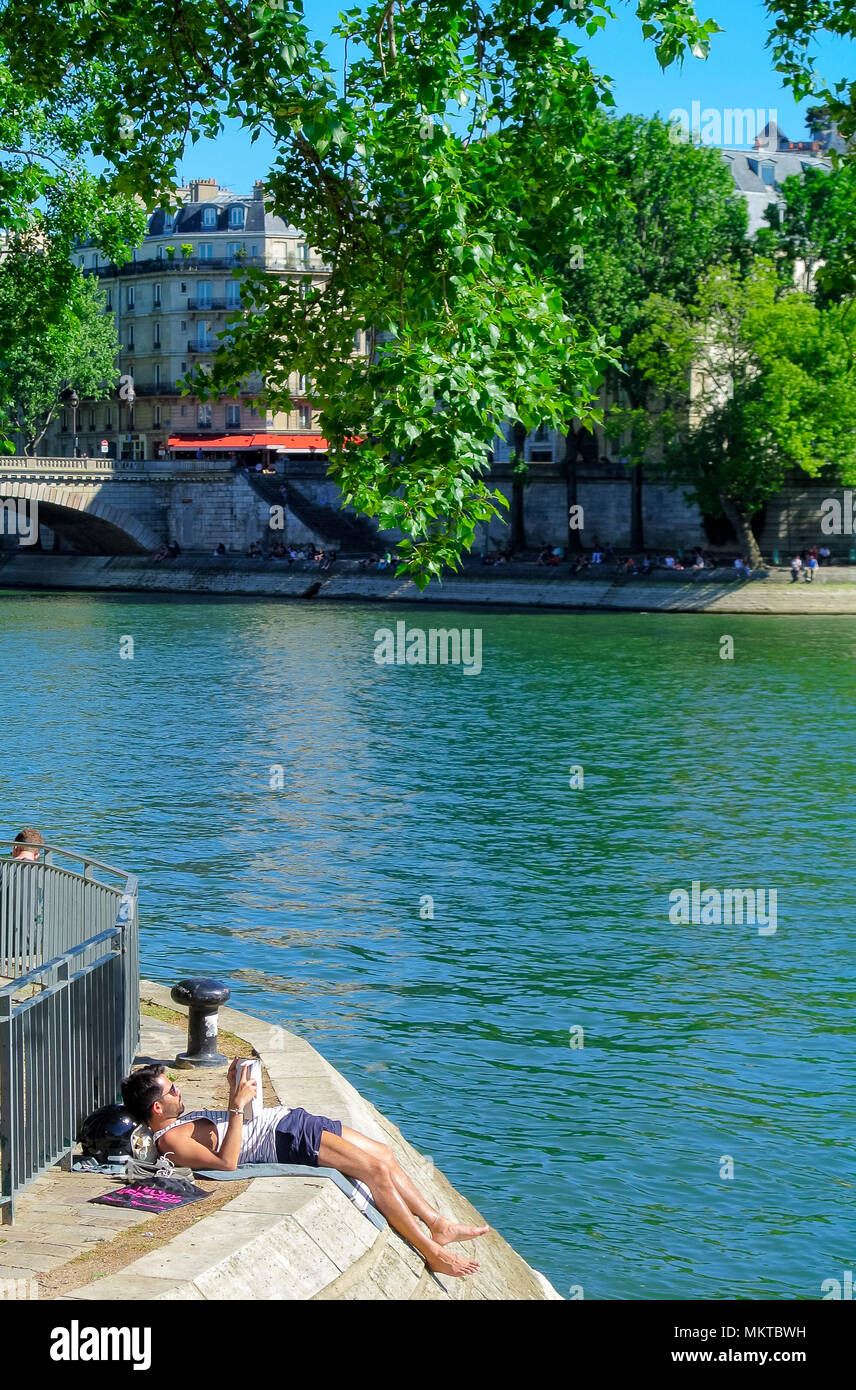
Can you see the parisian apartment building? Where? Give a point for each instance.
(170, 301)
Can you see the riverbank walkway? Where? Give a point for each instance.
(507, 586)
(269, 1238)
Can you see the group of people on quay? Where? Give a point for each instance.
(604, 558)
(601, 558)
(805, 562)
(311, 553)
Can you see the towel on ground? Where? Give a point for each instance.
(355, 1191)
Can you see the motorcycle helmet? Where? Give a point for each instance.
(112, 1132)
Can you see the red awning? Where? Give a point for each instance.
(291, 443)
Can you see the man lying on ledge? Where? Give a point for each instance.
(223, 1139)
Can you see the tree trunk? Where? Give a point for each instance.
(518, 529)
(570, 467)
(743, 530)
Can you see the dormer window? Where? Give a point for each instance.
(209, 217)
(168, 222)
(236, 217)
(768, 174)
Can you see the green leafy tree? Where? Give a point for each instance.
(773, 390)
(54, 335)
(811, 234)
(407, 180)
(671, 214)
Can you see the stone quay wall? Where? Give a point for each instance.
(103, 506)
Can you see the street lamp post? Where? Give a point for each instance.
(130, 396)
(71, 398)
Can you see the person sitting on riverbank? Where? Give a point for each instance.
(224, 1140)
(796, 566)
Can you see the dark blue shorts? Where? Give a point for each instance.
(298, 1136)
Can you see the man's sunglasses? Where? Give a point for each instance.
(171, 1090)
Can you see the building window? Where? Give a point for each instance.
(156, 296)
(160, 253)
(130, 342)
(305, 417)
(157, 373)
(303, 251)
(203, 333)
(206, 251)
(156, 338)
(92, 419)
(209, 217)
(254, 250)
(64, 425)
(129, 297)
(203, 416)
(768, 174)
(233, 415)
(168, 222)
(357, 339)
(184, 323)
(183, 411)
(233, 294)
(203, 293)
(108, 302)
(156, 418)
(235, 249)
(236, 217)
(108, 419)
(301, 386)
(305, 288)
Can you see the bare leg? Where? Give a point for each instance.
(339, 1153)
(444, 1231)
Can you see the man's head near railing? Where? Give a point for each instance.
(27, 843)
(148, 1093)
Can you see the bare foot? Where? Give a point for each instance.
(446, 1232)
(444, 1262)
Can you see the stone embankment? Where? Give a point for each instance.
(283, 1237)
(771, 591)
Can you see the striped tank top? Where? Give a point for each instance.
(258, 1141)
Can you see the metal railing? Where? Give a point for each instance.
(70, 1012)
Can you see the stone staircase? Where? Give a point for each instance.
(350, 533)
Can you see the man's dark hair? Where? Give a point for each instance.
(29, 836)
(140, 1090)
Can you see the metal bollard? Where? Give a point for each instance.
(202, 998)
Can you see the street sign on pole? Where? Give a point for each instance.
(104, 446)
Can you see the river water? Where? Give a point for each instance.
(645, 1109)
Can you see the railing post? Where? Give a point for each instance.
(65, 1061)
(8, 1099)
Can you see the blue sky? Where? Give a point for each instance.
(738, 74)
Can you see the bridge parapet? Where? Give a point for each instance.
(99, 469)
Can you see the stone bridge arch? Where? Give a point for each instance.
(77, 515)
